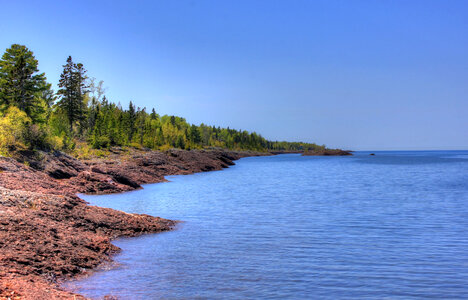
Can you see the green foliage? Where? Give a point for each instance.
(38, 137)
(72, 92)
(13, 127)
(85, 151)
(114, 126)
(20, 85)
(83, 120)
(100, 142)
(18, 132)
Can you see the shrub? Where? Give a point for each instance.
(100, 142)
(136, 145)
(165, 147)
(13, 130)
(37, 137)
(56, 142)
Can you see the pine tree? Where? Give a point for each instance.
(20, 85)
(180, 143)
(154, 115)
(72, 90)
(131, 119)
(82, 94)
(195, 134)
(141, 116)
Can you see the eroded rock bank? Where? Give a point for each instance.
(48, 234)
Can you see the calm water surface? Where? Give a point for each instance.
(393, 226)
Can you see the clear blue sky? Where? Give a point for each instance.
(352, 74)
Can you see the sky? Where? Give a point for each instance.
(360, 75)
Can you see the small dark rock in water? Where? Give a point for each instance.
(372, 154)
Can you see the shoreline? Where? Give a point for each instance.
(49, 235)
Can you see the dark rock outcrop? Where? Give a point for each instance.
(48, 234)
(46, 237)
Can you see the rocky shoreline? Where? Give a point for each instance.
(48, 234)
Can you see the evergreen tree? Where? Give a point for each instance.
(26, 97)
(141, 116)
(131, 119)
(72, 90)
(153, 115)
(180, 143)
(195, 134)
(82, 94)
(20, 85)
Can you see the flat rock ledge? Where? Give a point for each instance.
(45, 238)
(48, 234)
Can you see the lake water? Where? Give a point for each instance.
(392, 226)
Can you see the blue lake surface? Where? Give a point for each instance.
(390, 226)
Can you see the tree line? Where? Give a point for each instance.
(34, 116)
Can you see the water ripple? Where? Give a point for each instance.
(390, 226)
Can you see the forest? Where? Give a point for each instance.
(79, 116)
